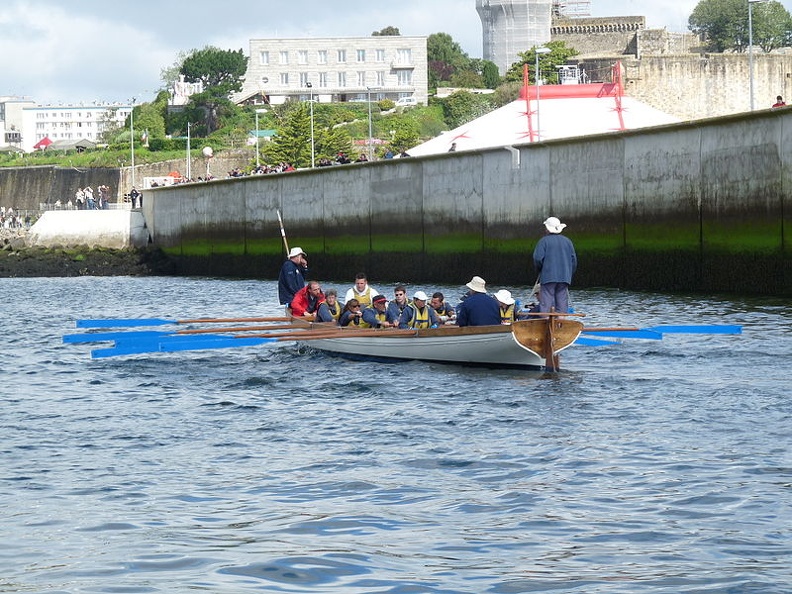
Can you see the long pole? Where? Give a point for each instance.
(283, 233)
(313, 156)
(536, 82)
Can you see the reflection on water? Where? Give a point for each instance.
(651, 466)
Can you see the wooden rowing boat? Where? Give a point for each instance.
(525, 344)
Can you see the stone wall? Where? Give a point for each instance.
(700, 206)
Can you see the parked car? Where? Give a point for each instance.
(407, 102)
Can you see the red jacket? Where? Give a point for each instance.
(304, 302)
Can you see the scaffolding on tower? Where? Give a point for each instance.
(572, 8)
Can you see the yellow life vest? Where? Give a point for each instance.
(420, 319)
(507, 314)
(335, 311)
(363, 298)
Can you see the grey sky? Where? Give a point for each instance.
(93, 50)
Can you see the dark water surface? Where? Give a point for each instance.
(659, 467)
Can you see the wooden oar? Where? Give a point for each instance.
(138, 322)
(131, 343)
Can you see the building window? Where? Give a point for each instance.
(380, 55)
(284, 57)
(284, 79)
(302, 57)
(361, 78)
(342, 79)
(342, 56)
(380, 79)
(361, 55)
(404, 78)
(404, 56)
(303, 79)
(323, 79)
(264, 58)
(321, 57)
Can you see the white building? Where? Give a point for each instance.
(336, 69)
(70, 122)
(511, 27)
(11, 132)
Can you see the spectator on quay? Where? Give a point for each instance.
(135, 196)
(779, 102)
(478, 308)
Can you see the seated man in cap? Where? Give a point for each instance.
(478, 308)
(508, 311)
(418, 314)
(292, 275)
(378, 315)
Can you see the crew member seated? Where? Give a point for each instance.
(445, 313)
(418, 314)
(506, 302)
(307, 300)
(330, 309)
(478, 308)
(378, 315)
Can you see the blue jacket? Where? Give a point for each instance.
(290, 280)
(478, 309)
(554, 259)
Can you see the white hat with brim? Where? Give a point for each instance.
(477, 284)
(504, 297)
(420, 295)
(296, 251)
(553, 225)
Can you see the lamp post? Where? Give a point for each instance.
(310, 100)
(750, 49)
(370, 139)
(189, 160)
(537, 51)
(132, 138)
(258, 111)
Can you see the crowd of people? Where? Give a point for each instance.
(10, 220)
(364, 306)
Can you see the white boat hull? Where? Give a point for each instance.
(490, 346)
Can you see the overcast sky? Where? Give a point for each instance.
(98, 50)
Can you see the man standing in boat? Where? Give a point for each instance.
(555, 262)
(292, 275)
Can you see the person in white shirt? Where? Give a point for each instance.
(362, 291)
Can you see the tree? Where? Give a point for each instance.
(223, 70)
(386, 32)
(462, 107)
(445, 57)
(724, 24)
(548, 63)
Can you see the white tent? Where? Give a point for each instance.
(562, 111)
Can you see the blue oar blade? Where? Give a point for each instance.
(124, 323)
(104, 336)
(593, 342)
(710, 329)
(647, 333)
(176, 343)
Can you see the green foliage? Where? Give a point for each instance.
(219, 70)
(148, 117)
(724, 24)
(548, 63)
(386, 104)
(490, 74)
(445, 57)
(462, 107)
(386, 32)
(505, 94)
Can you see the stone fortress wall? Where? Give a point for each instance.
(671, 71)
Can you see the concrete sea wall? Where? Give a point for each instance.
(690, 207)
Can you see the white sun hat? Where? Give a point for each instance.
(420, 295)
(477, 284)
(504, 297)
(296, 251)
(553, 225)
